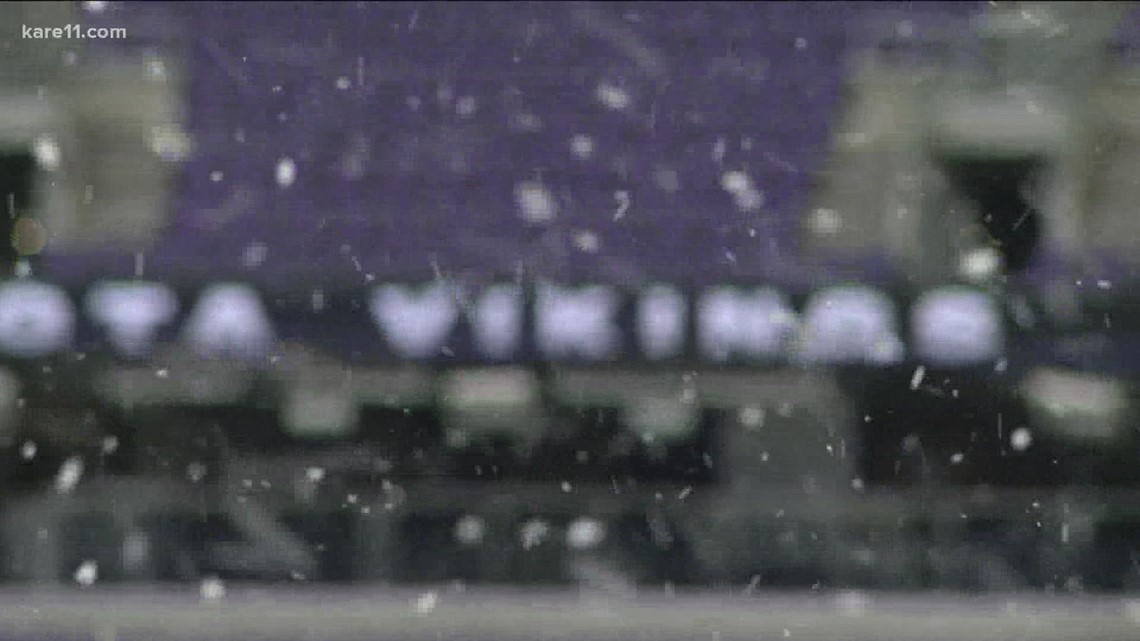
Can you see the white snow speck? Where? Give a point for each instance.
(28, 450)
(585, 534)
(587, 241)
(216, 176)
(980, 264)
(86, 574)
(195, 472)
(735, 182)
(533, 533)
(343, 83)
(916, 378)
(613, 97)
(1020, 439)
(567, 487)
(470, 530)
(751, 200)
(535, 202)
(254, 255)
(752, 417)
(286, 172)
(69, 474)
(212, 589)
(801, 43)
(826, 222)
(1104, 284)
(957, 457)
(156, 68)
(744, 193)
(110, 444)
(315, 474)
(46, 152)
(427, 602)
(582, 146)
(624, 201)
(466, 106)
(95, 6)
(169, 143)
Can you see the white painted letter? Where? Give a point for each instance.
(416, 325)
(36, 319)
(497, 321)
(131, 312)
(849, 326)
(578, 322)
(661, 316)
(229, 320)
(956, 326)
(758, 324)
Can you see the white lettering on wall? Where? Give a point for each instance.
(662, 313)
(956, 326)
(229, 320)
(415, 324)
(757, 324)
(131, 313)
(848, 326)
(578, 322)
(36, 319)
(497, 321)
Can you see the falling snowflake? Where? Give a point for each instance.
(46, 152)
(533, 533)
(916, 378)
(466, 106)
(535, 202)
(1020, 439)
(470, 530)
(585, 533)
(254, 255)
(426, 602)
(582, 146)
(87, 573)
(587, 241)
(212, 589)
(69, 474)
(286, 173)
(613, 97)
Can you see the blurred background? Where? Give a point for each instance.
(399, 305)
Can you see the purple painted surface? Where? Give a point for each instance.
(386, 188)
